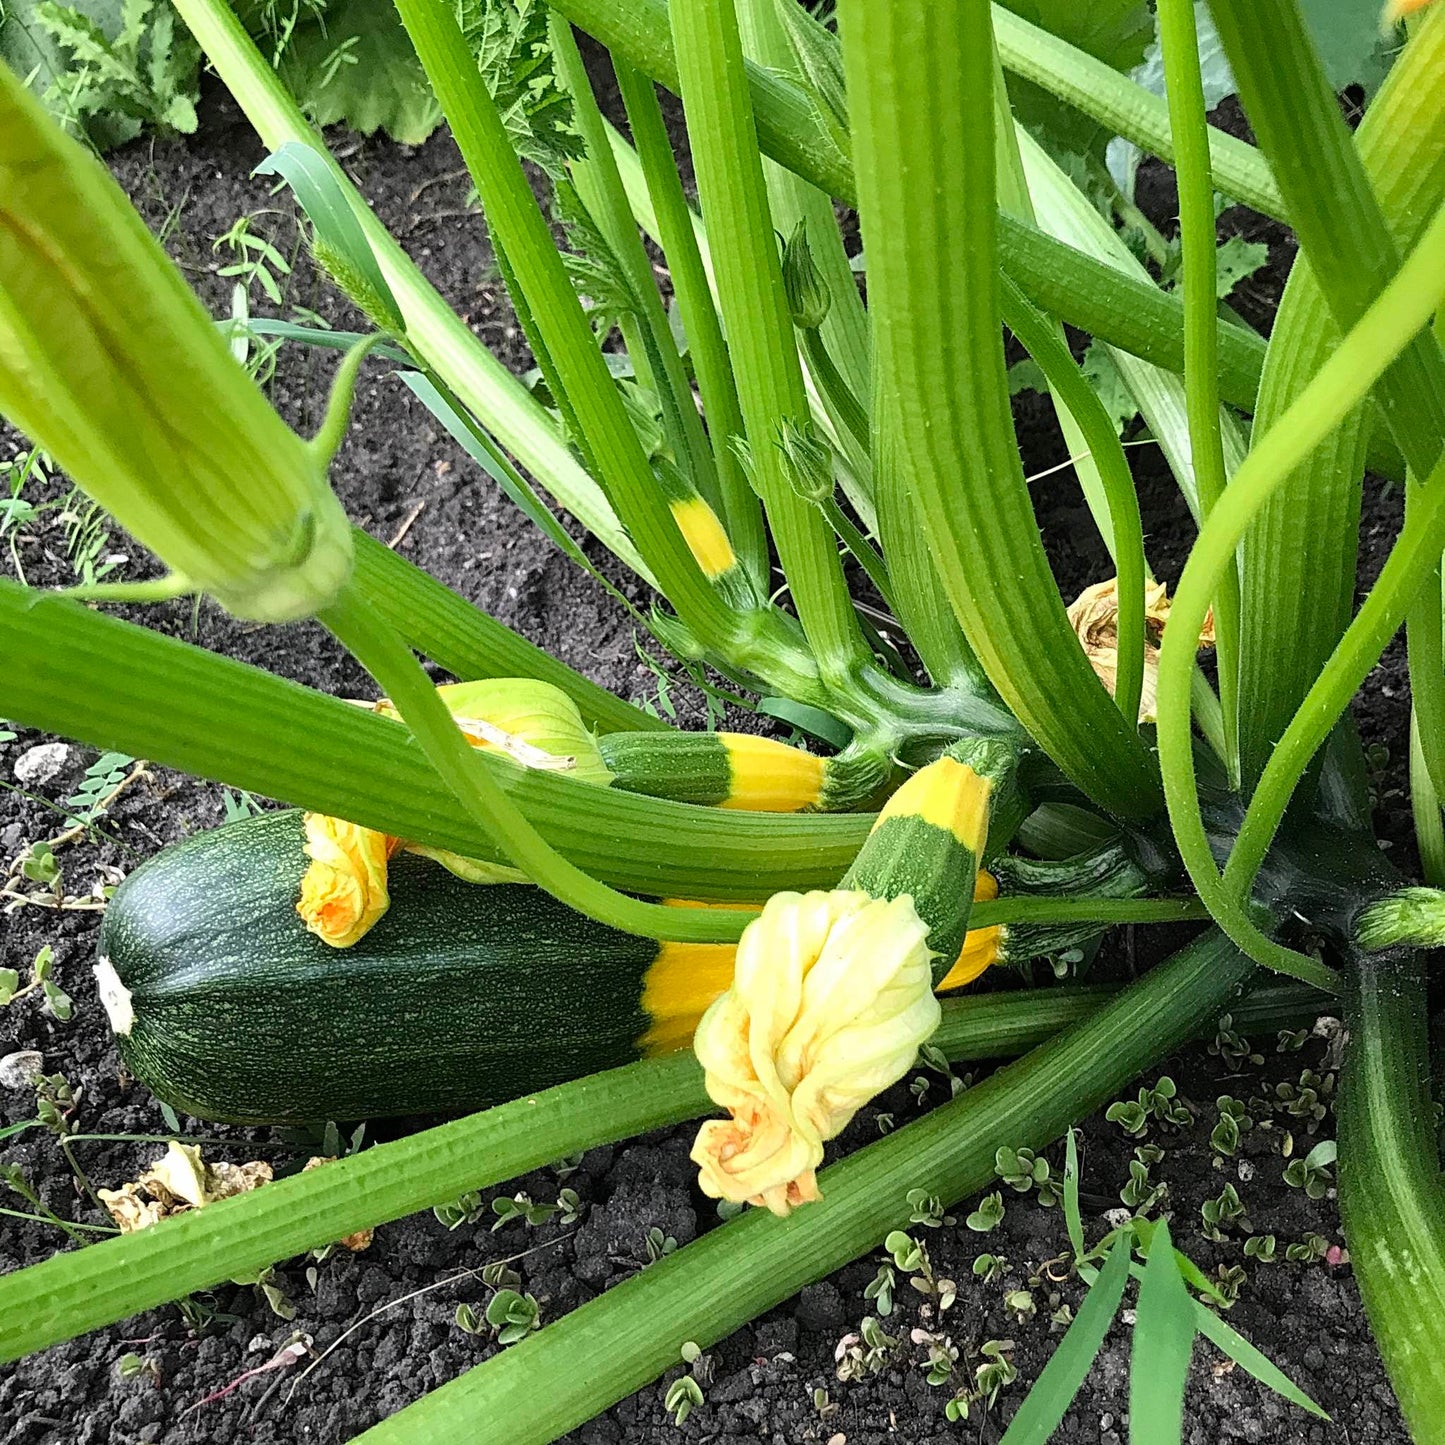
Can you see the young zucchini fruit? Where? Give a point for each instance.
(224, 1005)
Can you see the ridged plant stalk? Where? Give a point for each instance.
(1391, 1201)
(920, 83)
(1060, 279)
(1299, 556)
(1367, 352)
(754, 310)
(1179, 38)
(72, 1293)
(533, 1391)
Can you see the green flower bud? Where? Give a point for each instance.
(110, 363)
(808, 296)
(807, 461)
(1413, 917)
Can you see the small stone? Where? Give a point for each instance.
(1246, 1171)
(39, 764)
(21, 1069)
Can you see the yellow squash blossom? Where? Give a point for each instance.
(343, 892)
(831, 998)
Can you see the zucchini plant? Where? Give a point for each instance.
(828, 499)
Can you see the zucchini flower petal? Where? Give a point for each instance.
(1094, 614)
(343, 892)
(830, 1000)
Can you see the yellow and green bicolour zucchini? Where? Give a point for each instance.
(738, 770)
(225, 1006)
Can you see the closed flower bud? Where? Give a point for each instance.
(109, 363)
(803, 284)
(830, 1000)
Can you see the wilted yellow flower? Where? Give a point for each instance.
(180, 1180)
(343, 892)
(830, 1000)
(1094, 614)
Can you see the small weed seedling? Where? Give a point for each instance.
(1022, 1170)
(1159, 1103)
(988, 1215)
(1312, 1173)
(512, 1315)
(58, 1003)
(1233, 1121)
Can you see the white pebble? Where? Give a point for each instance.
(39, 764)
(20, 1070)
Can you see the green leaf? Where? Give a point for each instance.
(340, 242)
(1059, 1381)
(1102, 374)
(1350, 43)
(1235, 261)
(509, 39)
(107, 69)
(1163, 1342)
(359, 70)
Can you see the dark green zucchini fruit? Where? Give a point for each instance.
(460, 997)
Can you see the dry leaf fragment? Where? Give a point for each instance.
(1094, 616)
(180, 1180)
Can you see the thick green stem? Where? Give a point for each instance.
(534, 1392)
(1391, 1200)
(921, 87)
(71, 1293)
(754, 308)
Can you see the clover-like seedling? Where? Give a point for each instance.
(926, 1209)
(989, 1267)
(1232, 1047)
(512, 1315)
(1312, 1173)
(1260, 1247)
(1233, 1121)
(658, 1244)
(466, 1209)
(880, 1289)
(1225, 1212)
(521, 1207)
(1307, 1250)
(683, 1396)
(988, 1215)
(468, 1320)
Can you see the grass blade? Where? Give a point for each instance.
(1163, 1343)
(1232, 1343)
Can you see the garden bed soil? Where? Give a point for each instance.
(382, 1322)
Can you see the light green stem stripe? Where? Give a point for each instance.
(933, 296)
(533, 1391)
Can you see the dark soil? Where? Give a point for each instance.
(382, 1322)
